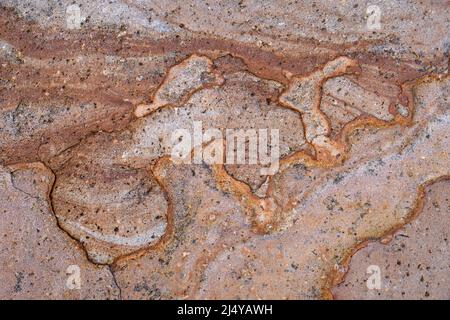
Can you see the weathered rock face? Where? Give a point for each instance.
(414, 264)
(88, 111)
(37, 257)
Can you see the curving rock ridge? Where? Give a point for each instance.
(37, 256)
(332, 211)
(92, 210)
(413, 264)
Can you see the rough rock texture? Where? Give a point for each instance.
(414, 264)
(36, 255)
(88, 109)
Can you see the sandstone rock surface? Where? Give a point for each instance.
(357, 118)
